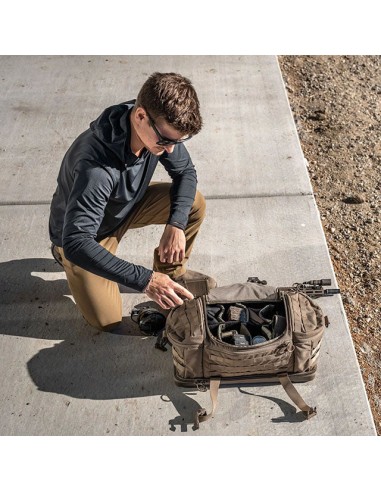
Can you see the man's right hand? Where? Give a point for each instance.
(166, 292)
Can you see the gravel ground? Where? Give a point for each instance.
(336, 103)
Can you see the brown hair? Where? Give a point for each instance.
(173, 97)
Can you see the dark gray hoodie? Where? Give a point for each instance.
(100, 182)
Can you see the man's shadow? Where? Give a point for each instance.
(84, 363)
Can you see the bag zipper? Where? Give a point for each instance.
(251, 301)
(202, 312)
(289, 316)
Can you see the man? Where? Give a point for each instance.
(104, 189)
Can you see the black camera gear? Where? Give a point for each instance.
(150, 320)
(258, 339)
(232, 336)
(240, 340)
(267, 313)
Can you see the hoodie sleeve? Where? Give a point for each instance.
(85, 210)
(180, 168)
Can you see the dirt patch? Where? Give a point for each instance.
(336, 103)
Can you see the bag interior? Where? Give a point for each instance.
(246, 324)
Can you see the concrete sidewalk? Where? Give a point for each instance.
(61, 377)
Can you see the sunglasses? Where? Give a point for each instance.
(164, 141)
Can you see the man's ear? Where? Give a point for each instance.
(140, 113)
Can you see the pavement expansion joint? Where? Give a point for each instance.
(256, 195)
(207, 197)
(29, 202)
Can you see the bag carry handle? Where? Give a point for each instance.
(202, 415)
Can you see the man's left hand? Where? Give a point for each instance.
(172, 245)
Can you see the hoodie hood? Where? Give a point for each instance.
(113, 128)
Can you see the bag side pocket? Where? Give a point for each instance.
(306, 350)
(308, 331)
(184, 324)
(185, 331)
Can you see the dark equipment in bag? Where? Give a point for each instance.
(248, 333)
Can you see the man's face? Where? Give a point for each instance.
(153, 133)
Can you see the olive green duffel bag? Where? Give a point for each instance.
(247, 333)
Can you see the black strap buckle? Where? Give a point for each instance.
(161, 341)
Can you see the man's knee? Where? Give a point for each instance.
(102, 319)
(111, 327)
(103, 325)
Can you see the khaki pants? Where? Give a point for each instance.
(99, 299)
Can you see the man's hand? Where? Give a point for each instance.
(166, 292)
(172, 245)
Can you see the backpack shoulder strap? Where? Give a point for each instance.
(292, 392)
(201, 415)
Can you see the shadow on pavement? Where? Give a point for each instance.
(289, 411)
(84, 363)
